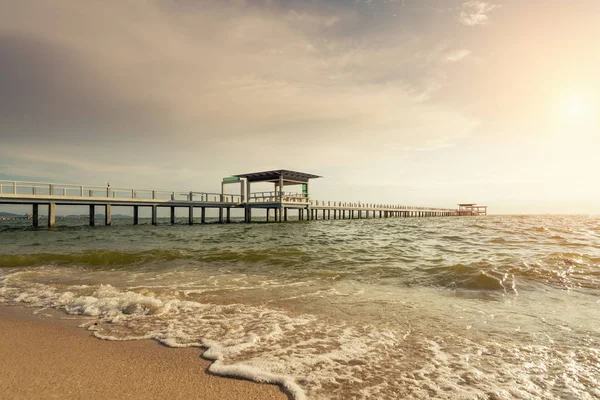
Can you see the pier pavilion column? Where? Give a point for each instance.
(136, 215)
(154, 215)
(172, 215)
(35, 215)
(108, 215)
(203, 215)
(92, 215)
(228, 215)
(220, 215)
(51, 215)
(191, 215)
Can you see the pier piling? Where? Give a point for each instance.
(108, 215)
(51, 215)
(92, 215)
(35, 215)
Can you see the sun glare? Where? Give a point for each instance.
(576, 108)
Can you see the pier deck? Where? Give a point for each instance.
(277, 202)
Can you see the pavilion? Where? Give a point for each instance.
(471, 209)
(279, 200)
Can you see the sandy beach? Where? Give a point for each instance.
(46, 357)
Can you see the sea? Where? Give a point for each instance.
(496, 307)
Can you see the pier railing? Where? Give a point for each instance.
(272, 197)
(45, 189)
(86, 192)
(346, 204)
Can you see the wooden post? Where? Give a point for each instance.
(51, 215)
(92, 215)
(285, 214)
(191, 215)
(202, 215)
(35, 214)
(136, 215)
(228, 215)
(154, 215)
(221, 213)
(268, 214)
(172, 215)
(108, 215)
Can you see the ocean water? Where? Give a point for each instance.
(497, 307)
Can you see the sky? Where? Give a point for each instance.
(416, 102)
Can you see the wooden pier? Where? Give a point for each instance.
(277, 204)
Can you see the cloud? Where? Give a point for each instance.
(475, 12)
(150, 69)
(171, 88)
(50, 93)
(457, 55)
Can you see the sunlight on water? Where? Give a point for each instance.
(495, 307)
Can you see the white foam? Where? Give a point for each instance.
(309, 356)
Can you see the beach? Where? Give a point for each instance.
(501, 307)
(47, 357)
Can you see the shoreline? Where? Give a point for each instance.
(48, 357)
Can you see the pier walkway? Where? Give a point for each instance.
(278, 204)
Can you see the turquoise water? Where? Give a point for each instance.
(476, 307)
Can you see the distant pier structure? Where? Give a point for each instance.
(471, 209)
(277, 204)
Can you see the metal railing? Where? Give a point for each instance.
(347, 204)
(62, 190)
(71, 191)
(269, 197)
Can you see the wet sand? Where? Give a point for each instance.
(45, 357)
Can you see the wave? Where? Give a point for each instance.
(123, 259)
(88, 257)
(561, 270)
(471, 277)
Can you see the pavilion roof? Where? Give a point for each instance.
(273, 176)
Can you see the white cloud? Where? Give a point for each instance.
(475, 12)
(457, 55)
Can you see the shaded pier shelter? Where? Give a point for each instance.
(279, 199)
(471, 209)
